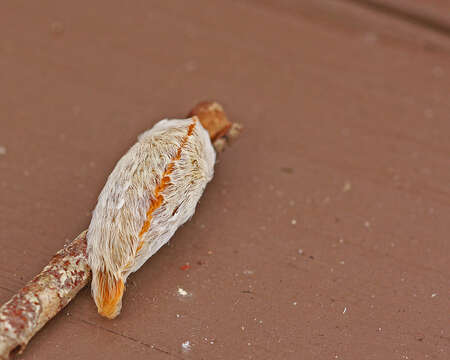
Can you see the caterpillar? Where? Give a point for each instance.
(153, 190)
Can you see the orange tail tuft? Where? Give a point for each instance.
(109, 298)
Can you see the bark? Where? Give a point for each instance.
(68, 271)
(43, 297)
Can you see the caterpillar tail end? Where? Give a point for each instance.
(108, 295)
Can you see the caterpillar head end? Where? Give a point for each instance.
(213, 118)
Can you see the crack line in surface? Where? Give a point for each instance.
(6, 289)
(153, 347)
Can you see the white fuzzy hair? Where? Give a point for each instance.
(116, 245)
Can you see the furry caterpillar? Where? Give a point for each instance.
(153, 189)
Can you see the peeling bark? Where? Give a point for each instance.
(43, 297)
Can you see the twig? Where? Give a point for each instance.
(68, 271)
(43, 297)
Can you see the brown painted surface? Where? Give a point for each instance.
(324, 233)
(435, 11)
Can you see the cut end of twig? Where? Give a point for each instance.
(213, 118)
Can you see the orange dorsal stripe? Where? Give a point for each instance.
(158, 199)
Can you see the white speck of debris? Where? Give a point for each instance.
(345, 310)
(379, 329)
(294, 303)
(186, 345)
(342, 262)
(2, 150)
(182, 292)
(242, 328)
(57, 27)
(437, 71)
(367, 224)
(248, 272)
(433, 295)
(347, 186)
(341, 241)
(178, 316)
(300, 251)
(370, 38)
(293, 221)
(190, 66)
(249, 344)
(428, 113)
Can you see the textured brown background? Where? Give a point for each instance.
(324, 234)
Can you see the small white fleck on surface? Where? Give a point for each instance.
(345, 310)
(190, 66)
(186, 345)
(300, 251)
(367, 224)
(2, 150)
(182, 292)
(294, 303)
(433, 295)
(248, 272)
(437, 71)
(428, 113)
(178, 316)
(347, 186)
(57, 28)
(293, 221)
